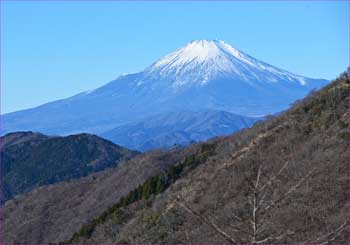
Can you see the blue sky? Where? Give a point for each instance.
(51, 49)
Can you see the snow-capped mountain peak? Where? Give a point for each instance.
(203, 60)
(198, 51)
(203, 75)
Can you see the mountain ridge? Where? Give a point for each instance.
(30, 160)
(177, 128)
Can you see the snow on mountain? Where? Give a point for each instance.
(201, 61)
(202, 76)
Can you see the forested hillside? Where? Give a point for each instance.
(30, 159)
(285, 180)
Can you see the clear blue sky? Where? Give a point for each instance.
(51, 50)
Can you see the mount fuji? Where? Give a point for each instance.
(202, 76)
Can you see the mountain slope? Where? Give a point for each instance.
(283, 181)
(59, 210)
(21, 137)
(203, 75)
(184, 127)
(30, 159)
(313, 132)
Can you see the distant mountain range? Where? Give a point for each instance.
(30, 160)
(202, 76)
(177, 128)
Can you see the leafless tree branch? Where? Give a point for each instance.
(291, 190)
(208, 222)
(275, 238)
(335, 232)
(273, 178)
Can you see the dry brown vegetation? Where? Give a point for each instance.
(285, 180)
(53, 213)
